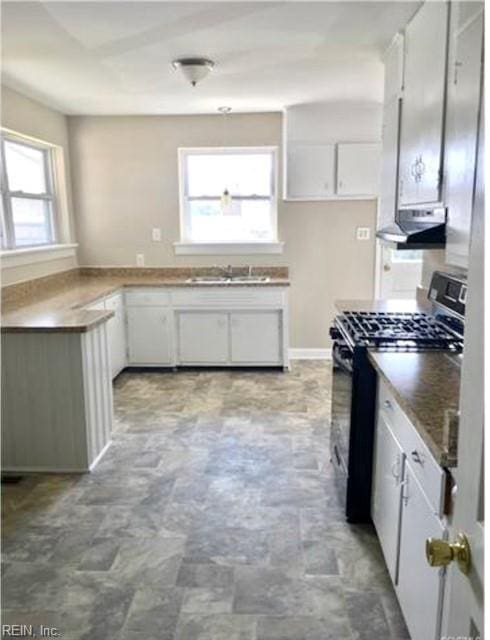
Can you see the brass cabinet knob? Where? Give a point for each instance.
(440, 553)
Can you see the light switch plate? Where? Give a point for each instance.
(156, 234)
(363, 233)
(140, 259)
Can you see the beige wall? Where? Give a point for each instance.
(31, 118)
(124, 173)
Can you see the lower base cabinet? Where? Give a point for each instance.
(387, 496)
(406, 510)
(255, 337)
(202, 337)
(420, 587)
(149, 337)
(208, 326)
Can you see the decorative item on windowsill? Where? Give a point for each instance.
(226, 199)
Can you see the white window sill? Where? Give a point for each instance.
(227, 249)
(31, 255)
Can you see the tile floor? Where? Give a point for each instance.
(212, 517)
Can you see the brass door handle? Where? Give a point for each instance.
(440, 553)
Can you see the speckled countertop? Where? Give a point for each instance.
(425, 385)
(56, 303)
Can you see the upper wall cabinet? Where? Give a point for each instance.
(358, 169)
(310, 170)
(465, 73)
(388, 194)
(422, 128)
(394, 61)
(317, 166)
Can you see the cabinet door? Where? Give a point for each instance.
(116, 330)
(310, 170)
(358, 169)
(256, 337)
(149, 336)
(393, 61)
(423, 105)
(386, 500)
(388, 201)
(419, 586)
(203, 337)
(463, 103)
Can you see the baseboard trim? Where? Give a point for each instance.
(310, 354)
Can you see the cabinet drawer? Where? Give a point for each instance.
(425, 468)
(147, 298)
(223, 297)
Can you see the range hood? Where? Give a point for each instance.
(416, 229)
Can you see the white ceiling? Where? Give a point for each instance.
(114, 57)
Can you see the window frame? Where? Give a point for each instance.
(8, 243)
(184, 199)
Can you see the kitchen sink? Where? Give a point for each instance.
(209, 279)
(227, 280)
(251, 279)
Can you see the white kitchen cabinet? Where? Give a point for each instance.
(462, 125)
(407, 507)
(358, 167)
(387, 494)
(202, 337)
(149, 335)
(256, 337)
(116, 333)
(310, 171)
(388, 196)
(420, 587)
(394, 61)
(422, 127)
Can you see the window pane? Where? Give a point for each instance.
(241, 173)
(248, 221)
(25, 168)
(31, 220)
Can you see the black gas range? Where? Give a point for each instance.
(354, 381)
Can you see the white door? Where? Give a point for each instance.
(419, 586)
(116, 329)
(256, 337)
(386, 504)
(423, 105)
(310, 170)
(358, 168)
(464, 605)
(149, 336)
(400, 272)
(463, 106)
(203, 337)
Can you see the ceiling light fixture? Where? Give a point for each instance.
(193, 69)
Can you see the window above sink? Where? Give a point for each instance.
(228, 200)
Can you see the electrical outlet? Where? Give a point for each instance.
(363, 233)
(140, 259)
(156, 234)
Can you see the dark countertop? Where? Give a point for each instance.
(425, 385)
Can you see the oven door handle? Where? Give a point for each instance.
(342, 363)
